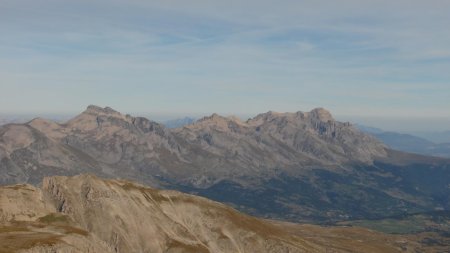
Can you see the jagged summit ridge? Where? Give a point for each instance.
(321, 114)
(94, 109)
(317, 114)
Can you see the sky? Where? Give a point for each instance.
(374, 60)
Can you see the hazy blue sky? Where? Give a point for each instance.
(354, 57)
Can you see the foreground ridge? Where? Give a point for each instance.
(87, 214)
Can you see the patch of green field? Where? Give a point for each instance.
(392, 226)
(53, 218)
(409, 224)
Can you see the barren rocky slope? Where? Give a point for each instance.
(88, 214)
(302, 165)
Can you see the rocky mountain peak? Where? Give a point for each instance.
(264, 118)
(41, 122)
(214, 116)
(217, 121)
(94, 116)
(314, 116)
(93, 109)
(321, 114)
(272, 113)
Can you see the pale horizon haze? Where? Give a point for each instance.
(380, 63)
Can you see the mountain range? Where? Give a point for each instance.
(408, 142)
(302, 166)
(436, 137)
(176, 123)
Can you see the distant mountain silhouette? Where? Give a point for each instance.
(408, 142)
(175, 123)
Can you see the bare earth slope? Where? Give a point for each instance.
(302, 165)
(88, 214)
